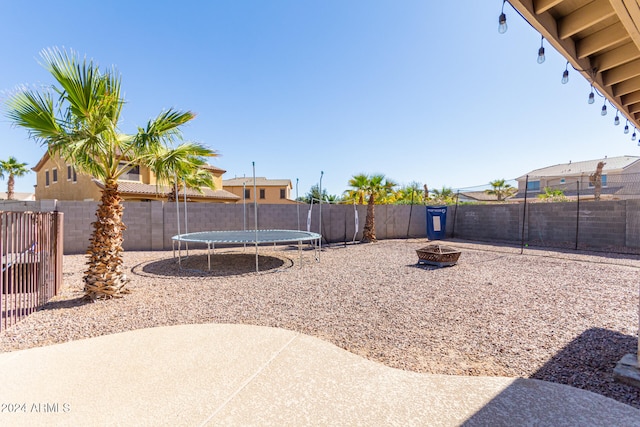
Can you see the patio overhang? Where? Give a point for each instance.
(600, 39)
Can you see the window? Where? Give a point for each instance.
(75, 176)
(262, 193)
(69, 172)
(132, 175)
(604, 181)
(247, 193)
(533, 186)
(46, 178)
(562, 181)
(55, 175)
(283, 193)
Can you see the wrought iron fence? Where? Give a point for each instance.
(31, 247)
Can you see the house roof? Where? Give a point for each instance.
(585, 167)
(260, 180)
(137, 188)
(480, 196)
(599, 38)
(18, 196)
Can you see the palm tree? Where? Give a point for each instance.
(358, 183)
(501, 189)
(445, 196)
(409, 194)
(377, 187)
(78, 120)
(13, 169)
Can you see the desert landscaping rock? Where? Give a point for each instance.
(559, 316)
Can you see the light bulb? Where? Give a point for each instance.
(592, 98)
(633, 137)
(626, 129)
(604, 110)
(541, 57)
(565, 77)
(616, 121)
(502, 23)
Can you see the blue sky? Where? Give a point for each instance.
(420, 91)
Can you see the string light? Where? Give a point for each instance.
(502, 20)
(633, 136)
(616, 120)
(592, 96)
(541, 57)
(626, 128)
(565, 75)
(603, 112)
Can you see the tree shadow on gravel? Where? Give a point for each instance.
(66, 303)
(222, 265)
(587, 362)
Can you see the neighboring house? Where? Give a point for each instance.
(270, 191)
(620, 179)
(22, 197)
(478, 196)
(56, 179)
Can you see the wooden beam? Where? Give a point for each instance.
(601, 40)
(584, 18)
(626, 87)
(616, 57)
(628, 12)
(631, 98)
(541, 6)
(634, 108)
(621, 73)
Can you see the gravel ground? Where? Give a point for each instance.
(559, 316)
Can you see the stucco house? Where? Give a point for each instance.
(56, 179)
(620, 179)
(269, 191)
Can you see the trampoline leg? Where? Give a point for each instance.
(209, 256)
(300, 251)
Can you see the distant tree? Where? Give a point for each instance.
(409, 194)
(501, 189)
(314, 194)
(444, 196)
(596, 180)
(12, 169)
(552, 195)
(378, 187)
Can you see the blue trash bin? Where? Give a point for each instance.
(436, 222)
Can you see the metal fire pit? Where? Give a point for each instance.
(438, 255)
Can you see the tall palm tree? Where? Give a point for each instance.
(501, 189)
(78, 120)
(358, 183)
(377, 187)
(13, 169)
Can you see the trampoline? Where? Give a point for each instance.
(254, 237)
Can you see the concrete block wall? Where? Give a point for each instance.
(485, 222)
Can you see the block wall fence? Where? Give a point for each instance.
(150, 225)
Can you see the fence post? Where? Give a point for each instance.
(524, 214)
(59, 248)
(578, 216)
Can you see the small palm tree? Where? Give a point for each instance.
(377, 187)
(445, 196)
(409, 194)
(501, 189)
(80, 124)
(357, 192)
(13, 169)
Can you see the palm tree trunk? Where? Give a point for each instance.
(369, 231)
(10, 186)
(104, 277)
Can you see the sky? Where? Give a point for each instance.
(416, 90)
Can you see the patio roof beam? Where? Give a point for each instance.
(634, 108)
(584, 18)
(616, 57)
(626, 87)
(621, 73)
(631, 98)
(541, 6)
(601, 40)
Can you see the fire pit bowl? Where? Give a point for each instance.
(438, 255)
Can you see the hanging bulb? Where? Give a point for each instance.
(565, 76)
(626, 129)
(616, 121)
(604, 110)
(592, 97)
(502, 23)
(633, 137)
(541, 57)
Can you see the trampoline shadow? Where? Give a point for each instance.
(222, 265)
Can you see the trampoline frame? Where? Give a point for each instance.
(239, 237)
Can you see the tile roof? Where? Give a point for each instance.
(585, 167)
(131, 187)
(260, 180)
